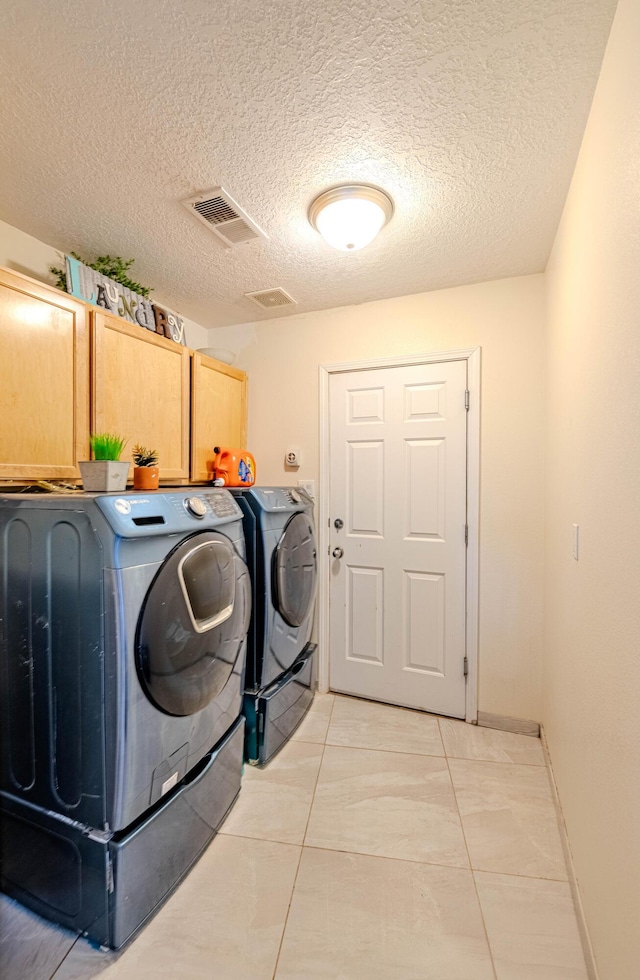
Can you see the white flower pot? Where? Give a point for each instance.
(104, 475)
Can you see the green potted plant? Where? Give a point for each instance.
(146, 472)
(105, 472)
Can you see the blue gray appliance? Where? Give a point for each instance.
(282, 559)
(123, 623)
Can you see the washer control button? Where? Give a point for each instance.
(196, 507)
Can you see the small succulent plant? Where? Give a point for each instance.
(106, 445)
(143, 456)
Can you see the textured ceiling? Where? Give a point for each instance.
(468, 112)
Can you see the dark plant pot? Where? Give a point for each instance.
(146, 477)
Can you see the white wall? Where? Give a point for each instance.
(23, 253)
(592, 663)
(506, 319)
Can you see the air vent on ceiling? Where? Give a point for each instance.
(271, 299)
(219, 212)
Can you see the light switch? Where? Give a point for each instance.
(309, 486)
(576, 541)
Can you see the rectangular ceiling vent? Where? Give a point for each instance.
(219, 212)
(272, 299)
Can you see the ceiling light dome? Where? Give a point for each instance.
(351, 215)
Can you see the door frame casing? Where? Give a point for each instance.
(473, 358)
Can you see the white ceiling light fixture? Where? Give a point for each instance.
(350, 216)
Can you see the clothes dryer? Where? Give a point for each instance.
(282, 559)
(123, 623)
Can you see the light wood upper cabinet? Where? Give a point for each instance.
(141, 391)
(44, 380)
(68, 369)
(218, 412)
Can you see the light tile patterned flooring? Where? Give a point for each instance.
(380, 844)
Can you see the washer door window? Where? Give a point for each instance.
(295, 571)
(193, 623)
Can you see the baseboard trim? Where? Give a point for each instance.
(505, 724)
(585, 938)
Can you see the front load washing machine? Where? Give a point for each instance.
(282, 559)
(123, 622)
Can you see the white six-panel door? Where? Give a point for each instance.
(398, 483)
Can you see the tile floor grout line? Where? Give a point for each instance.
(498, 762)
(423, 755)
(72, 946)
(433, 864)
(428, 714)
(266, 840)
(368, 748)
(399, 707)
(473, 877)
(429, 755)
(484, 924)
(295, 880)
(387, 857)
(315, 786)
(286, 918)
(514, 874)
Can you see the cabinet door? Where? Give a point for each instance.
(141, 392)
(44, 381)
(218, 412)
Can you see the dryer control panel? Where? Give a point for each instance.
(281, 498)
(136, 515)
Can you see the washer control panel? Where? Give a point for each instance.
(222, 503)
(133, 515)
(196, 506)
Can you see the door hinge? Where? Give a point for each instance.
(465, 667)
(466, 534)
(466, 399)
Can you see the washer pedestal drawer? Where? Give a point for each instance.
(274, 713)
(108, 886)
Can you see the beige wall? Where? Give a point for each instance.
(505, 318)
(28, 255)
(592, 664)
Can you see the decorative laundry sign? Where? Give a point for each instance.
(86, 284)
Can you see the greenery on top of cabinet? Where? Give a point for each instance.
(113, 267)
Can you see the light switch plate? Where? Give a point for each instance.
(576, 541)
(309, 486)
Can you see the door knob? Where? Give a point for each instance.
(337, 552)
(338, 523)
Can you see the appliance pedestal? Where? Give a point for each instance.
(104, 885)
(274, 713)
